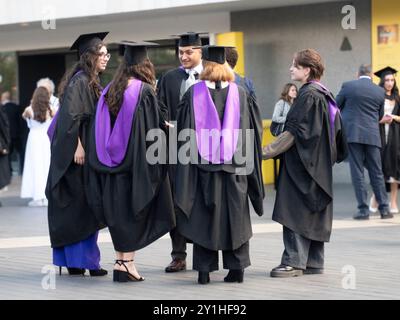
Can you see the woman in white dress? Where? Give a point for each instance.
(37, 156)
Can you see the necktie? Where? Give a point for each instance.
(191, 80)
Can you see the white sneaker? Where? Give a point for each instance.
(5, 189)
(394, 210)
(371, 208)
(35, 203)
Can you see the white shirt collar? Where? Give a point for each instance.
(365, 77)
(211, 85)
(198, 69)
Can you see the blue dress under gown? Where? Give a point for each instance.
(84, 254)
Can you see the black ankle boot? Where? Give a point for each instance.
(235, 276)
(204, 277)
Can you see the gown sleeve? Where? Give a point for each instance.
(256, 190)
(76, 108)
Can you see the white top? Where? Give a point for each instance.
(389, 106)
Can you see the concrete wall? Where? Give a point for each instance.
(271, 37)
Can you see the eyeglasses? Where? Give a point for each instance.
(105, 55)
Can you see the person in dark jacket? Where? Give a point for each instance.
(362, 105)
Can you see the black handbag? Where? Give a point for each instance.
(276, 128)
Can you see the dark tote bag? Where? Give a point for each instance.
(276, 128)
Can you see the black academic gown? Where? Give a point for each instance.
(70, 218)
(134, 199)
(5, 141)
(391, 148)
(169, 92)
(304, 194)
(213, 200)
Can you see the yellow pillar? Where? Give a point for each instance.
(385, 34)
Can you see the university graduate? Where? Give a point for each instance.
(212, 190)
(390, 135)
(170, 90)
(312, 142)
(5, 141)
(131, 192)
(73, 225)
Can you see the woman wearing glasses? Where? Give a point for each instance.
(72, 224)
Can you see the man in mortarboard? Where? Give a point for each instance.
(362, 107)
(170, 89)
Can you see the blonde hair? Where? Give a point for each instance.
(217, 72)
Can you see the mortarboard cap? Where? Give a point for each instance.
(189, 39)
(86, 41)
(135, 52)
(214, 53)
(385, 71)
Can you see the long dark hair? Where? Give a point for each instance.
(395, 90)
(87, 63)
(115, 95)
(41, 104)
(285, 92)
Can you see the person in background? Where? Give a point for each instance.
(362, 106)
(49, 85)
(37, 156)
(282, 107)
(5, 142)
(15, 121)
(390, 137)
(232, 58)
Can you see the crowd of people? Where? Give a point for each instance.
(88, 157)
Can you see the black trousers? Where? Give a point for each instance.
(301, 252)
(178, 245)
(206, 260)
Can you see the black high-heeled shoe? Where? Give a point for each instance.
(235, 276)
(204, 277)
(98, 273)
(74, 271)
(124, 276)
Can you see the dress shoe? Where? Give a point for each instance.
(385, 214)
(361, 216)
(98, 273)
(284, 271)
(204, 277)
(313, 271)
(235, 276)
(176, 266)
